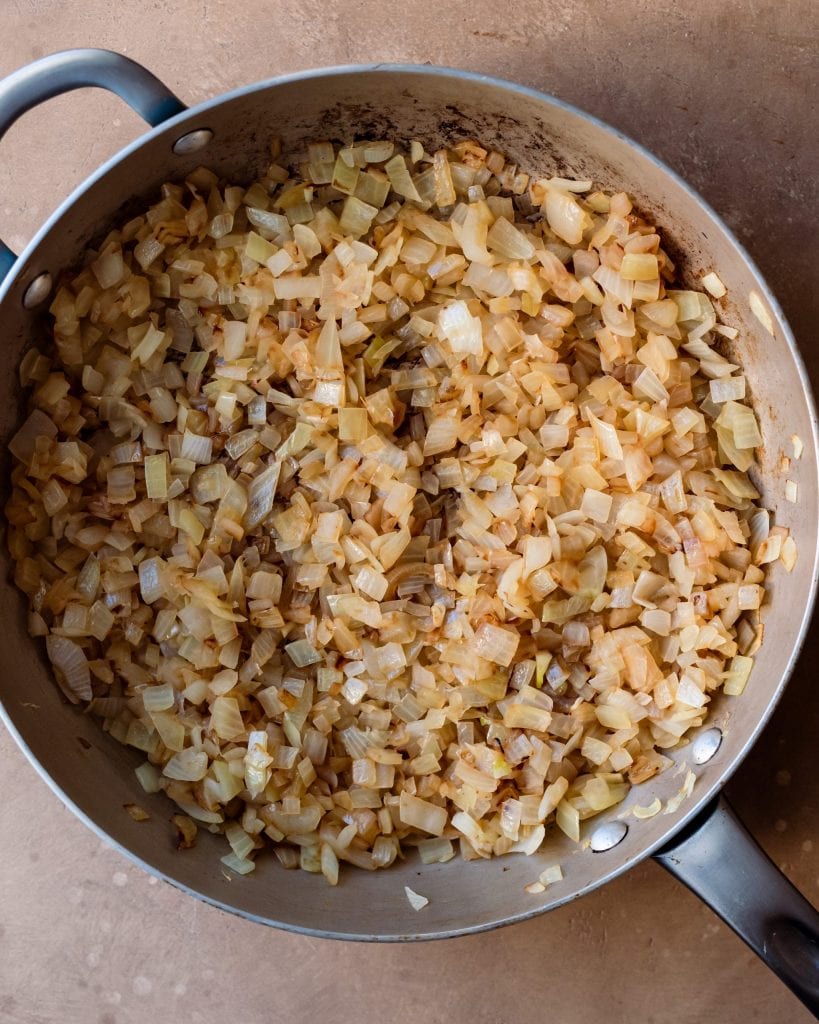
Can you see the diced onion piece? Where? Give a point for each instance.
(226, 718)
(240, 842)
(442, 435)
(187, 765)
(196, 448)
(235, 338)
(257, 763)
(136, 812)
(436, 851)
(37, 425)
(352, 424)
(737, 675)
(568, 820)
(508, 241)
(401, 179)
(329, 864)
(109, 269)
(444, 187)
(596, 505)
(416, 900)
(68, 658)
(788, 554)
(149, 777)
(158, 698)
(238, 864)
(524, 716)
(565, 216)
(713, 285)
(356, 217)
(613, 717)
(150, 580)
(146, 251)
(461, 329)
(550, 875)
(760, 311)
(496, 644)
(685, 791)
(649, 810)
(727, 389)
(157, 476)
(529, 844)
(640, 266)
(302, 653)
(421, 814)
(260, 496)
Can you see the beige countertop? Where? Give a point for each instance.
(726, 94)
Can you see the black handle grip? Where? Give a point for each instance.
(718, 859)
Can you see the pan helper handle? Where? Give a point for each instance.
(718, 859)
(76, 69)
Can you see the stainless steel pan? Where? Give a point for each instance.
(701, 842)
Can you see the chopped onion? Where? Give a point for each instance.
(23, 443)
(70, 661)
(760, 311)
(356, 217)
(393, 500)
(550, 875)
(226, 719)
(416, 900)
(727, 389)
(421, 814)
(641, 266)
(436, 851)
(713, 285)
(187, 766)
(649, 810)
(496, 644)
(400, 178)
(460, 328)
(157, 476)
(509, 243)
(196, 448)
(260, 496)
(238, 864)
(566, 217)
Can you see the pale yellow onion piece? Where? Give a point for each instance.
(565, 216)
(416, 900)
(550, 875)
(649, 810)
(639, 267)
(713, 285)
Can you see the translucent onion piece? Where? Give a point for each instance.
(70, 661)
(187, 766)
(566, 217)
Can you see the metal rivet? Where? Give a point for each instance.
(38, 291)
(607, 836)
(706, 745)
(192, 141)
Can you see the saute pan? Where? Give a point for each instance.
(697, 838)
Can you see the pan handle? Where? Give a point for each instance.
(718, 859)
(75, 69)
